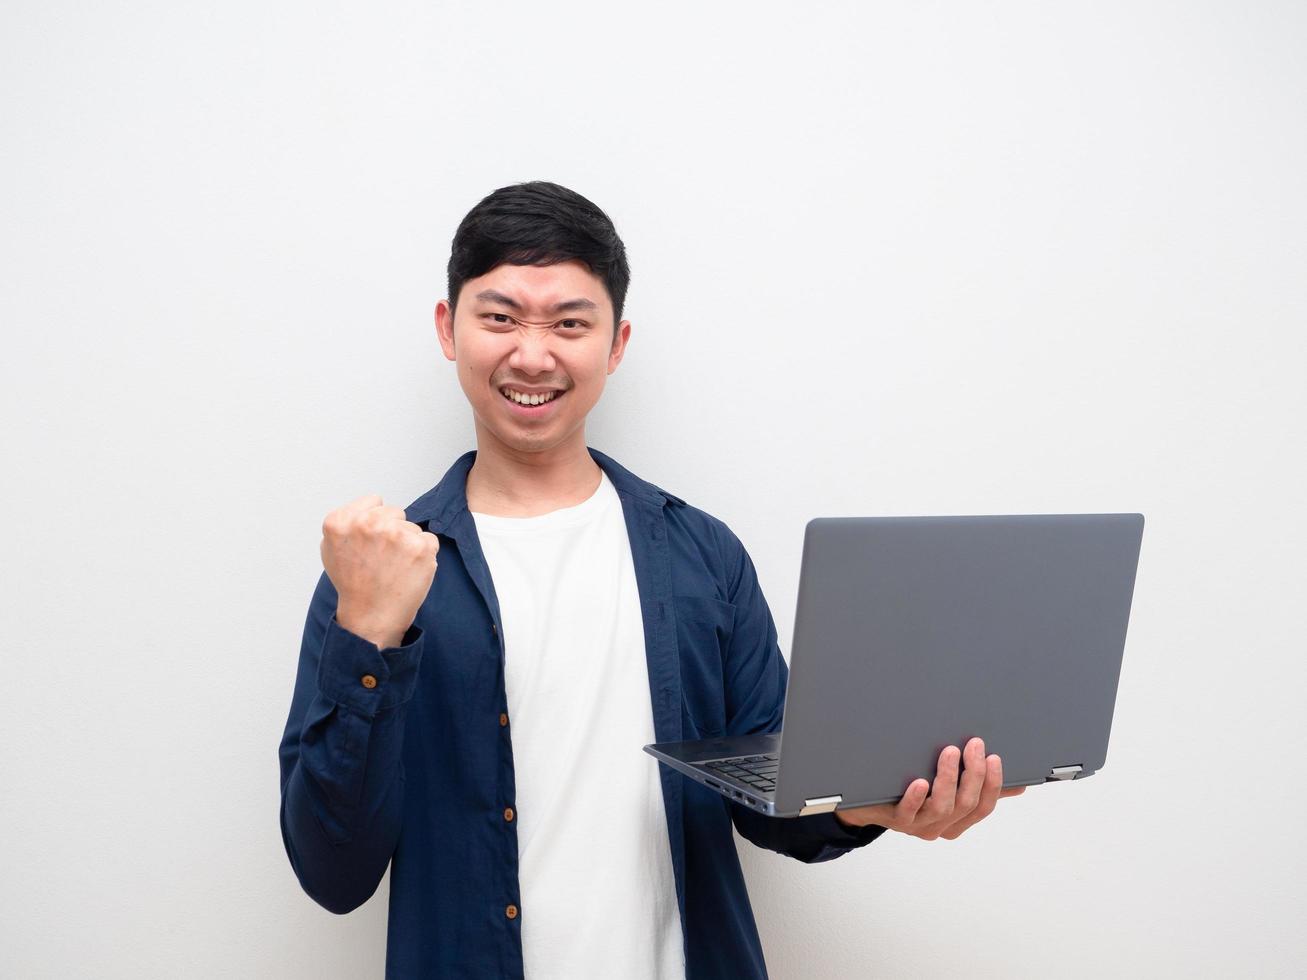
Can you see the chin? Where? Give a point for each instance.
(528, 442)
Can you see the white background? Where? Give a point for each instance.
(887, 259)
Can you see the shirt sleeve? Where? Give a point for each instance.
(342, 779)
(756, 675)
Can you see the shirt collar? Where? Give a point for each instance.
(440, 505)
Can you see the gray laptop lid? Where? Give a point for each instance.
(912, 633)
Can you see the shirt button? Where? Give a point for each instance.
(503, 719)
(508, 814)
(511, 911)
(369, 681)
(494, 629)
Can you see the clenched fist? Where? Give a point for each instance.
(381, 565)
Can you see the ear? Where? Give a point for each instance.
(445, 328)
(620, 338)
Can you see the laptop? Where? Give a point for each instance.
(913, 633)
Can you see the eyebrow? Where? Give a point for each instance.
(566, 306)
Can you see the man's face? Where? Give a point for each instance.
(532, 329)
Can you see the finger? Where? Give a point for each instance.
(366, 502)
(945, 789)
(913, 797)
(975, 778)
(992, 787)
(955, 830)
(988, 798)
(409, 529)
(1011, 791)
(381, 514)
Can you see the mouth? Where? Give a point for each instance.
(531, 406)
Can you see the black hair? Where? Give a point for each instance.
(538, 223)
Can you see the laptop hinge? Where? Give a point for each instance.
(821, 804)
(1063, 772)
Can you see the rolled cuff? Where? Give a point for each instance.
(348, 658)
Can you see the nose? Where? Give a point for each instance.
(533, 353)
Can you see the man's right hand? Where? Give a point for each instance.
(381, 565)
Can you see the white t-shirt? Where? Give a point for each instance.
(598, 896)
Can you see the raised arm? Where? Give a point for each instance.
(340, 754)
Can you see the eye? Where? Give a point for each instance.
(579, 323)
(506, 317)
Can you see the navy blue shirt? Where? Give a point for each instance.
(404, 756)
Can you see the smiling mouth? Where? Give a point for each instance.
(530, 401)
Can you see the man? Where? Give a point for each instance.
(479, 730)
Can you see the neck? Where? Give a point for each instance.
(509, 482)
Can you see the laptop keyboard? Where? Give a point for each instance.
(755, 771)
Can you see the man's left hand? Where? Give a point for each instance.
(953, 804)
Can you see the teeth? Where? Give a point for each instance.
(527, 399)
